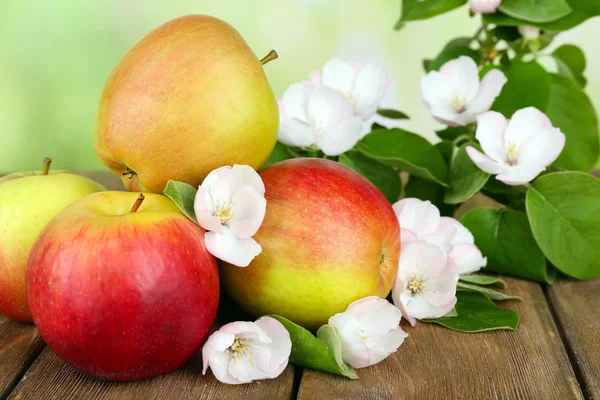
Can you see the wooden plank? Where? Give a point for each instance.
(436, 363)
(20, 345)
(575, 307)
(51, 379)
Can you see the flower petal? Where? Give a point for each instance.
(232, 249)
(485, 6)
(295, 99)
(463, 75)
(490, 133)
(203, 205)
(467, 257)
(435, 89)
(386, 345)
(339, 75)
(543, 148)
(442, 288)
(248, 208)
(376, 318)
(520, 174)
(281, 344)
(418, 216)
(397, 293)
(490, 87)
(340, 138)
(245, 371)
(447, 115)
(407, 237)
(327, 108)
(368, 90)
(525, 124)
(296, 133)
(485, 163)
(461, 233)
(354, 350)
(231, 179)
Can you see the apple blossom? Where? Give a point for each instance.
(454, 94)
(363, 84)
(529, 32)
(318, 116)
(242, 352)
(485, 6)
(517, 150)
(369, 331)
(231, 206)
(426, 283)
(421, 220)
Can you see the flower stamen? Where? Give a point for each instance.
(513, 152)
(416, 286)
(223, 212)
(238, 348)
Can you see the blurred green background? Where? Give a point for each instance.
(56, 55)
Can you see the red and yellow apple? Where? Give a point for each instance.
(28, 201)
(329, 237)
(190, 97)
(121, 293)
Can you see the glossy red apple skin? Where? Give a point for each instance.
(329, 237)
(123, 296)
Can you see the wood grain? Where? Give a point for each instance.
(575, 306)
(20, 345)
(436, 363)
(51, 379)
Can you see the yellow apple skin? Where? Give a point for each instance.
(28, 201)
(190, 97)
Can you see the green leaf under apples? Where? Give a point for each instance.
(528, 85)
(386, 178)
(581, 11)
(571, 110)
(406, 151)
(280, 152)
(466, 179)
(484, 280)
(413, 10)
(535, 10)
(564, 212)
(426, 190)
(323, 353)
(183, 195)
(487, 292)
(571, 62)
(392, 114)
(505, 238)
(477, 313)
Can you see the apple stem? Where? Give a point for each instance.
(269, 57)
(47, 162)
(138, 203)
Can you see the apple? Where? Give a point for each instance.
(329, 238)
(193, 91)
(120, 292)
(28, 201)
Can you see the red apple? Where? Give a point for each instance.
(119, 294)
(329, 238)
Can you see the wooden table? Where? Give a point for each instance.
(554, 354)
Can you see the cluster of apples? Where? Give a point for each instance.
(120, 284)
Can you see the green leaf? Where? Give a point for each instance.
(484, 280)
(392, 114)
(406, 151)
(423, 9)
(183, 195)
(571, 62)
(477, 313)
(452, 132)
(505, 238)
(452, 313)
(535, 10)
(571, 110)
(386, 178)
(466, 179)
(280, 152)
(564, 212)
(323, 354)
(510, 195)
(426, 190)
(528, 85)
(446, 149)
(581, 11)
(450, 53)
(487, 292)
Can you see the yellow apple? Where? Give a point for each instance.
(28, 201)
(190, 97)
